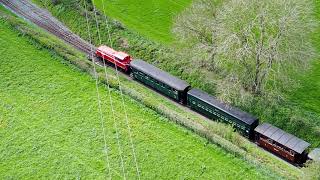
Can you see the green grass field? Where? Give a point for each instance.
(50, 127)
(150, 18)
(308, 95)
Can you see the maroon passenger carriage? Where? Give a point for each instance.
(281, 143)
(120, 59)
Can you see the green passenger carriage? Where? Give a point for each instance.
(214, 109)
(159, 80)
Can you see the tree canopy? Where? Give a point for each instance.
(252, 43)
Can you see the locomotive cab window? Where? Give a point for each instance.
(118, 59)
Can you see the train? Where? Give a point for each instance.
(265, 135)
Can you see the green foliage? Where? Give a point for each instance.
(271, 39)
(258, 51)
(50, 126)
(152, 19)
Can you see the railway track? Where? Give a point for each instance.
(43, 19)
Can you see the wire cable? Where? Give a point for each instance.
(110, 99)
(123, 104)
(98, 95)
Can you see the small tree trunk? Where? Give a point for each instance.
(55, 2)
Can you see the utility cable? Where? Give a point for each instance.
(110, 99)
(123, 104)
(98, 95)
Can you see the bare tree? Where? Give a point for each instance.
(196, 27)
(258, 43)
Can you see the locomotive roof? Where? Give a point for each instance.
(159, 75)
(107, 50)
(121, 55)
(288, 140)
(235, 112)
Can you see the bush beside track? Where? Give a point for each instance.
(214, 132)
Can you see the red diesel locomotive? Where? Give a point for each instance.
(120, 59)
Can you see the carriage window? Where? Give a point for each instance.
(292, 152)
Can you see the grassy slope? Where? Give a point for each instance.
(50, 127)
(308, 95)
(150, 18)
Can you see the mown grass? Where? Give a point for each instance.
(150, 18)
(50, 126)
